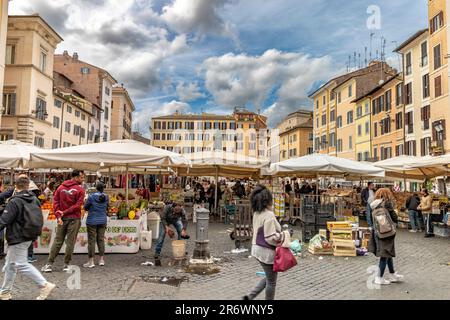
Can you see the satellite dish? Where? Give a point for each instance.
(381, 82)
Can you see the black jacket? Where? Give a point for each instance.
(412, 203)
(12, 218)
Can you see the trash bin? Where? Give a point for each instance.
(146, 240)
(153, 220)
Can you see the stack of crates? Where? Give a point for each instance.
(313, 217)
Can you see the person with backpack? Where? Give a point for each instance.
(382, 242)
(412, 204)
(67, 202)
(97, 207)
(23, 220)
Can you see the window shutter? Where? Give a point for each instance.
(422, 147)
(441, 19)
(414, 148)
(443, 132)
(434, 132)
(13, 104)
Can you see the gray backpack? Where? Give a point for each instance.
(382, 222)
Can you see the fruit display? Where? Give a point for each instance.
(47, 205)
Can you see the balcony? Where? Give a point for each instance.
(437, 148)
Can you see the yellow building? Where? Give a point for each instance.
(28, 85)
(438, 15)
(244, 132)
(3, 31)
(296, 135)
(363, 144)
(416, 69)
(122, 109)
(334, 109)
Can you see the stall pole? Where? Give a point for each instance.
(109, 178)
(12, 177)
(127, 183)
(217, 182)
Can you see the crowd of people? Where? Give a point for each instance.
(21, 208)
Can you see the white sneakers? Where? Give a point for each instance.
(5, 296)
(391, 278)
(395, 277)
(45, 291)
(381, 281)
(413, 231)
(89, 265)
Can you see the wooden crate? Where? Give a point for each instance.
(344, 234)
(344, 248)
(338, 225)
(320, 251)
(346, 253)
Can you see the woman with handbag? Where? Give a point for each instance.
(384, 247)
(267, 234)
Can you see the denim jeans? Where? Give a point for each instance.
(269, 283)
(414, 219)
(386, 261)
(17, 261)
(162, 234)
(369, 215)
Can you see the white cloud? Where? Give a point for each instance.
(237, 80)
(124, 37)
(189, 92)
(198, 16)
(142, 117)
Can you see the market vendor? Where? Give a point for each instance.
(173, 214)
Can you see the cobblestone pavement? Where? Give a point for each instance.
(422, 262)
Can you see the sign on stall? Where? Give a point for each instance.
(121, 236)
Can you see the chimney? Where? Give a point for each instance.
(75, 56)
(65, 53)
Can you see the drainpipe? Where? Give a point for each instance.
(62, 124)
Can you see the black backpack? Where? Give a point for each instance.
(33, 221)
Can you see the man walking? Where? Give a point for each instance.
(173, 214)
(67, 202)
(367, 196)
(23, 220)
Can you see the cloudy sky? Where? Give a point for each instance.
(212, 55)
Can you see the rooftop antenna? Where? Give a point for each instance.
(383, 46)
(365, 56)
(349, 62)
(376, 58)
(354, 59)
(359, 60)
(371, 37)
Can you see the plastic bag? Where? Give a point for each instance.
(296, 247)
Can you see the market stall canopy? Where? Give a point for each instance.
(16, 154)
(438, 165)
(323, 165)
(138, 170)
(403, 167)
(107, 154)
(223, 164)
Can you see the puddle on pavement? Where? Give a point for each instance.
(171, 281)
(202, 270)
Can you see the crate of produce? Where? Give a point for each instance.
(339, 225)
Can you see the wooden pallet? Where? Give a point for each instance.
(345, 253)
(320, 252)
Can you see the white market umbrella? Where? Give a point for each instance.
(16, 154)
(225, 164)
(324, 165)
(109, 154)
(409, 167)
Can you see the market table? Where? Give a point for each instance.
(122, 236)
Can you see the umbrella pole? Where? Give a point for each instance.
(12, 177)
(109, 178)
(127, 184)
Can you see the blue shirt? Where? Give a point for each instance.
(97, 210)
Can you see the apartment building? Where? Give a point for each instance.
(296, 135)
(122, 109)
(28, 83)
(243, 132)
(95, 84)
(72, 115)
(3, 31)
(335, 129)
(387, 121)
(439, 14)
(363, 123)
(416, 68)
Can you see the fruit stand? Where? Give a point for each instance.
(124, 226)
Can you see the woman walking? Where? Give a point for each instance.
(384, 248)
(97, 206)
(267, 234)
